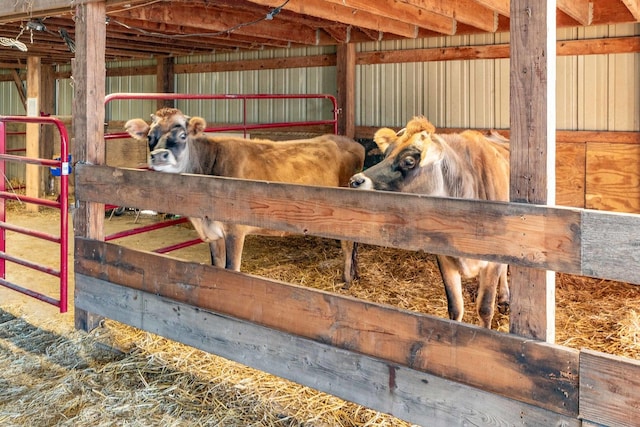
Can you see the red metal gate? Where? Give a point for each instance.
(63, 168)
(62, 203)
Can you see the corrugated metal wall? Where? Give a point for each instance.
(290, 81)
(599, 92)
(450, 93)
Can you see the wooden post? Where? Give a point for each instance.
(89, 71)
(48, 133)
(33, 175)
(532, 110)
(346, 76)
(165, 81)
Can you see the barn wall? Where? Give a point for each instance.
(10, 103)
(287, 81)
(594, 92)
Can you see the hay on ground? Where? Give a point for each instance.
(55, 375)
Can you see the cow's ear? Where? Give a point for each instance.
(196, 125)
(137, 128)
(383, 138)
(420, 124)
(431, 148)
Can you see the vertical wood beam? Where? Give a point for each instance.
(165, 80)
(89, 73)
(532, 111)
(47, 107)
(346, 76)
(19, 87)
(33, 172)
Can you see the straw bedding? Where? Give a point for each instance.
(117, 375)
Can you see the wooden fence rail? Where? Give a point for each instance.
(418, 367)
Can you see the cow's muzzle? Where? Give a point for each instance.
(160, 156)
(360, 181)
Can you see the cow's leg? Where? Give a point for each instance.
(218, 253)
(234, 244)
(504, 294)
(350, 270)
(452, 286)
(487, 288)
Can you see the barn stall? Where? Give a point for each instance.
(560, 384)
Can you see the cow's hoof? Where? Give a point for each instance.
(503, 307)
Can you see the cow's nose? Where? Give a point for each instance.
(159, 156)
(356, 181)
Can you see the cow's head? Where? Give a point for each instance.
(414, 147)
(167, 136)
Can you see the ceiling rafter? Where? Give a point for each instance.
(468, 12)
(580, 10)
(500, 6)
(220, 21)
(401, 11)
(346, 15)
(634, 8)
(195, 35)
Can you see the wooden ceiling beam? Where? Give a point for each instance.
(177, 33)
(341, 34)
(468, 12)
(500, 6)
(334, 12)
(580, 10)
(403, 12)
(634, 8)
(217, 21)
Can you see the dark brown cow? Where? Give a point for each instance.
(468, 165)
(178, 145)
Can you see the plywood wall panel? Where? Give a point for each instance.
(613, 177)
(570, 174)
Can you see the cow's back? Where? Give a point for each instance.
(485, 160)
(327, 160)
(351, 156)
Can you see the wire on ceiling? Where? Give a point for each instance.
(268, 17)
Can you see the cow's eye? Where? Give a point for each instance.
(408, 162)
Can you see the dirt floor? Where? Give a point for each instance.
(117, 375)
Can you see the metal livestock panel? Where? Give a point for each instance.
(291, 81)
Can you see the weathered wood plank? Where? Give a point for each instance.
(346, 85)
(524, 370)
(609, 389)
(611, 243)
(534, 236)
(533, 148)
(497, 51)
(406, 393)
(89, 112)
(33, 179)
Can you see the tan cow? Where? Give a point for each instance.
(467, 165)
(178, 145)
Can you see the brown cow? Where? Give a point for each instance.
(178, 145)
(467, 165)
